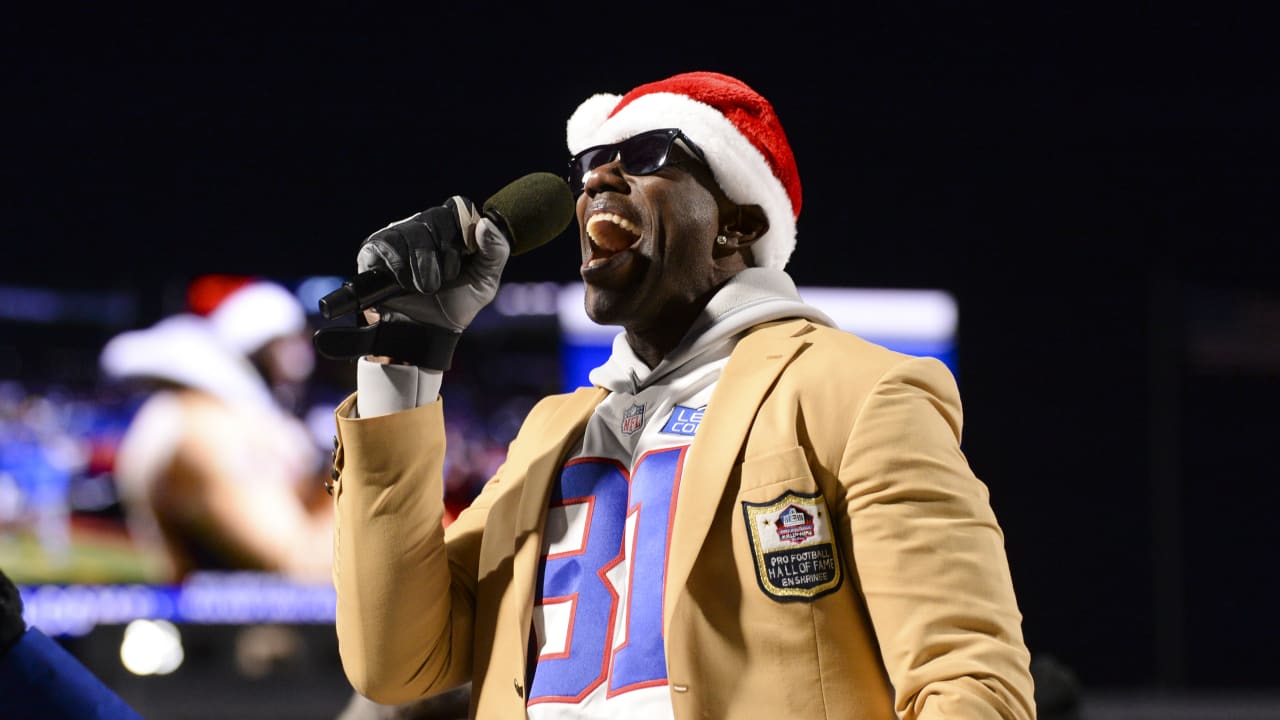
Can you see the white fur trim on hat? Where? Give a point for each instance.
(184, 349)
(256, 314)
(739, 168)
(589, 116)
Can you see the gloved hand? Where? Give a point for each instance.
(426, 254)
(450, 259)
(12, 626)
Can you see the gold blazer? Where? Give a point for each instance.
(921, 622)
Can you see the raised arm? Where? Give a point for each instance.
(406, 595)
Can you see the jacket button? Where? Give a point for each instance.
(519, 687)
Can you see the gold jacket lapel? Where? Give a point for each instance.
(541, 468)
(750, 372)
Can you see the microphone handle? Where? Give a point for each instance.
(364, 290)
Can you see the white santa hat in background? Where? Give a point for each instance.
(182, 349)
(255, 314)
(734, 126)
(208, 348)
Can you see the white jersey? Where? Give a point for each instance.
(597, 618)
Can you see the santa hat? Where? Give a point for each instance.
(183, 349)
(254, 314)
(733, 125)
(231, 317)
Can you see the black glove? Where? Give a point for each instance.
(449, 259)
(12, 626)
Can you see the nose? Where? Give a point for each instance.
(606, 177)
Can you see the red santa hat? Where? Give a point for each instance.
(246, 313)
(733, 125)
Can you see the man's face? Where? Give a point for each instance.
(647, 241)
(289, 359)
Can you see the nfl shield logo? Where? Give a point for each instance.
(632, 419)
(794, 525)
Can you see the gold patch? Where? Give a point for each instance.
(794, 547)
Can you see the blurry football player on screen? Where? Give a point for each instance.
(748, 514)
(215, 467)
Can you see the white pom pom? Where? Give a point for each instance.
(587, 119)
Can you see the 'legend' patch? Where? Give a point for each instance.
(684, 420)
(795, 550)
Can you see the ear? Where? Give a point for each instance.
(746, 223)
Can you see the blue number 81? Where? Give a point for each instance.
(579, 577)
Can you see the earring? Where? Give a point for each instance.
(722, 240)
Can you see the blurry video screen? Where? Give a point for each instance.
(90, 426)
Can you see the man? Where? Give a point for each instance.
(749, 514)
(215, 471)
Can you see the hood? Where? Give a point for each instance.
(753, 296)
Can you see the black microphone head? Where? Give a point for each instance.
(532, 210)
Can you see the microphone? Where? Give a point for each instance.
(530, 212)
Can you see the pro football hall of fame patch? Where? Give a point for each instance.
(795, 550)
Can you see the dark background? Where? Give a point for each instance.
(1095, 187)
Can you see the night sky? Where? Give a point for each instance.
(1095, 187)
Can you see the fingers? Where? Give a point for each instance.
(467, 216)
(426, 270)
(437, 244)
(450, 257)
(425, 252)
(492, 248)
(373, 254)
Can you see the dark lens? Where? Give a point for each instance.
(586, 161)
(645, 154)
(642, 154)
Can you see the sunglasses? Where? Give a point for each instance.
(643, 154)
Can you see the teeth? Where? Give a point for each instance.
(595, 261)
(618, 220)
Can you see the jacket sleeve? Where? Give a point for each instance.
(930, 556)
(405, 591)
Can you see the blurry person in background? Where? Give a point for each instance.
(216, 468)
(37, 461)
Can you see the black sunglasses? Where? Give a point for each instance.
(643, 154)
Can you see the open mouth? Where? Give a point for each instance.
(609, 234)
